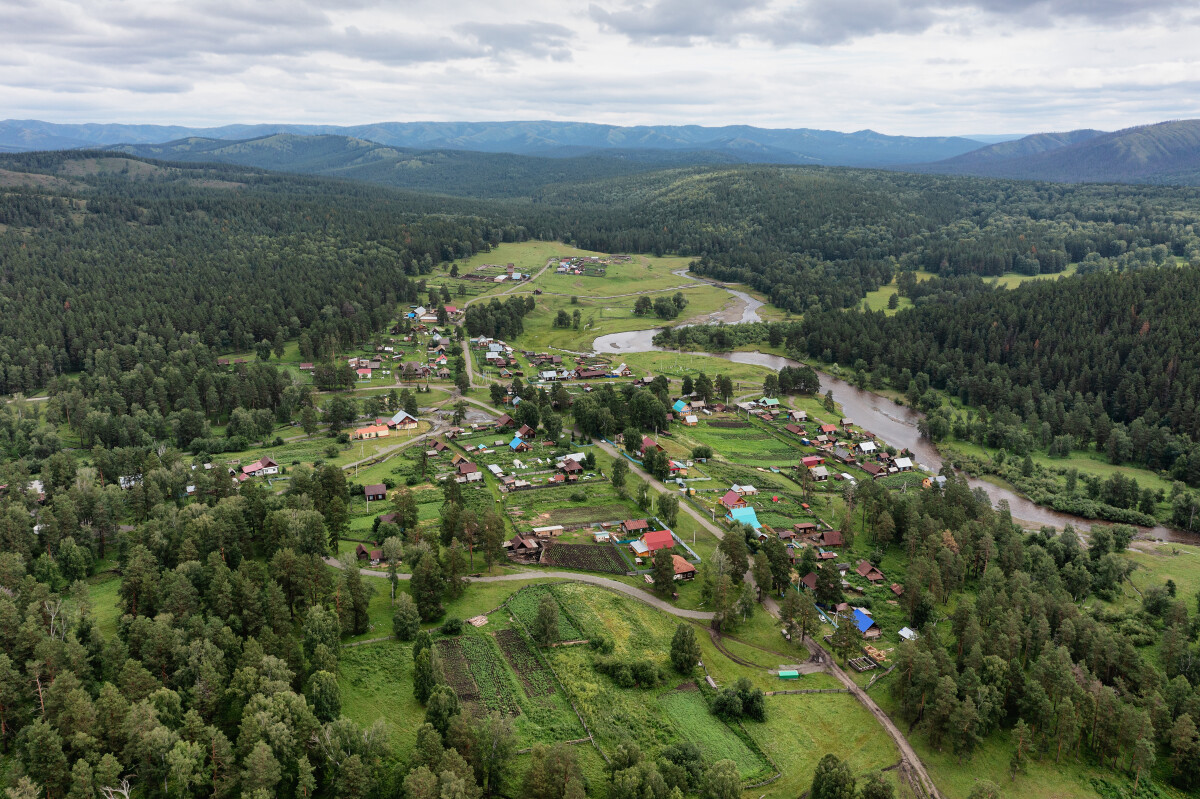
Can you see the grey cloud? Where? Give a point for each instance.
(540, 39)
(226, 36)
(828, 22)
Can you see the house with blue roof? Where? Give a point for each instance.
(680, 406)
(744, 515)
(866, 625)
(517, 445)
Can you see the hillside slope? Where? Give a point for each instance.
(454, 172)
(1168, 152)
(551, 139)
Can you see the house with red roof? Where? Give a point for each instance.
(630, 526)
(733, 499)
(648, 442)
(652, 541)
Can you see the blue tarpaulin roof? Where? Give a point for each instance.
(862, 621)
(678, 406)
(516, 442)
(745, 516)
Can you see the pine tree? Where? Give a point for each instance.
(545, 624)
(664, 571)
(685, 651)
(406, 621)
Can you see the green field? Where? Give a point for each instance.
(524, 606)
(800, 730)
(689, 714)
(599, 317)
(645, 273)
(1011, 280)
(102, 593)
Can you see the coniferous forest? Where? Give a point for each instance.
(124, 283)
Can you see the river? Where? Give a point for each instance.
(894, 424)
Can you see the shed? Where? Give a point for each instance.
(789, 674)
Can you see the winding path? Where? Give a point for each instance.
(603, 582)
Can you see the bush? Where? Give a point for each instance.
(579, 496)
(602, 644)
(451, 626)
(630, 673)
(741, 701)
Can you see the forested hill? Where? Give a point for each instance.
(822, 238)
(1168, 152)
(540, 138)
(100, 251)
(454, 172)
(1106, 360)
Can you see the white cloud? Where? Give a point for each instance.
(898, 66)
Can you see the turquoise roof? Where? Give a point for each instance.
(679, 406)
(745, 516)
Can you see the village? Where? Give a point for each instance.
(778, 470)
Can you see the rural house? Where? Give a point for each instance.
(467, 472)
(733, 499)
(652, 541)
(866, 570)
(376, 492)
(866, 625)
(683, 569)
(372, 431)
(632, 526)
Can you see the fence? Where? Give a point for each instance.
(808, 691)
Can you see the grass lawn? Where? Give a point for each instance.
(376, 683)
(746, 377)
(1011, 280)
(102, 593)
(877, 300)
(1163, 562)
(643, 274)
(1086, 462)
(691, 718)
(802, 729)
(603, 316)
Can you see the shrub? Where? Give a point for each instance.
(630, 673)
(452, 626)
(602, 644)
(579, 496)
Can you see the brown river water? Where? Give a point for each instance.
(895, 424)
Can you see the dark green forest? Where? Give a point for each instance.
(121, 282)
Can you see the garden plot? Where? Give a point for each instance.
(747, 444)
(524, 605)
(496, 688)
(457, 670)
(582, 503)
(535, 677)
(602, 558)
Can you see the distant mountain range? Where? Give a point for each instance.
(1168, 152)
(864, 148)
(454, 172)
(512, 158)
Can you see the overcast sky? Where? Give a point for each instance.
(896, 66)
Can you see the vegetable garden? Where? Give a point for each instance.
(534, 676)
(524, 605)
(585, 557)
